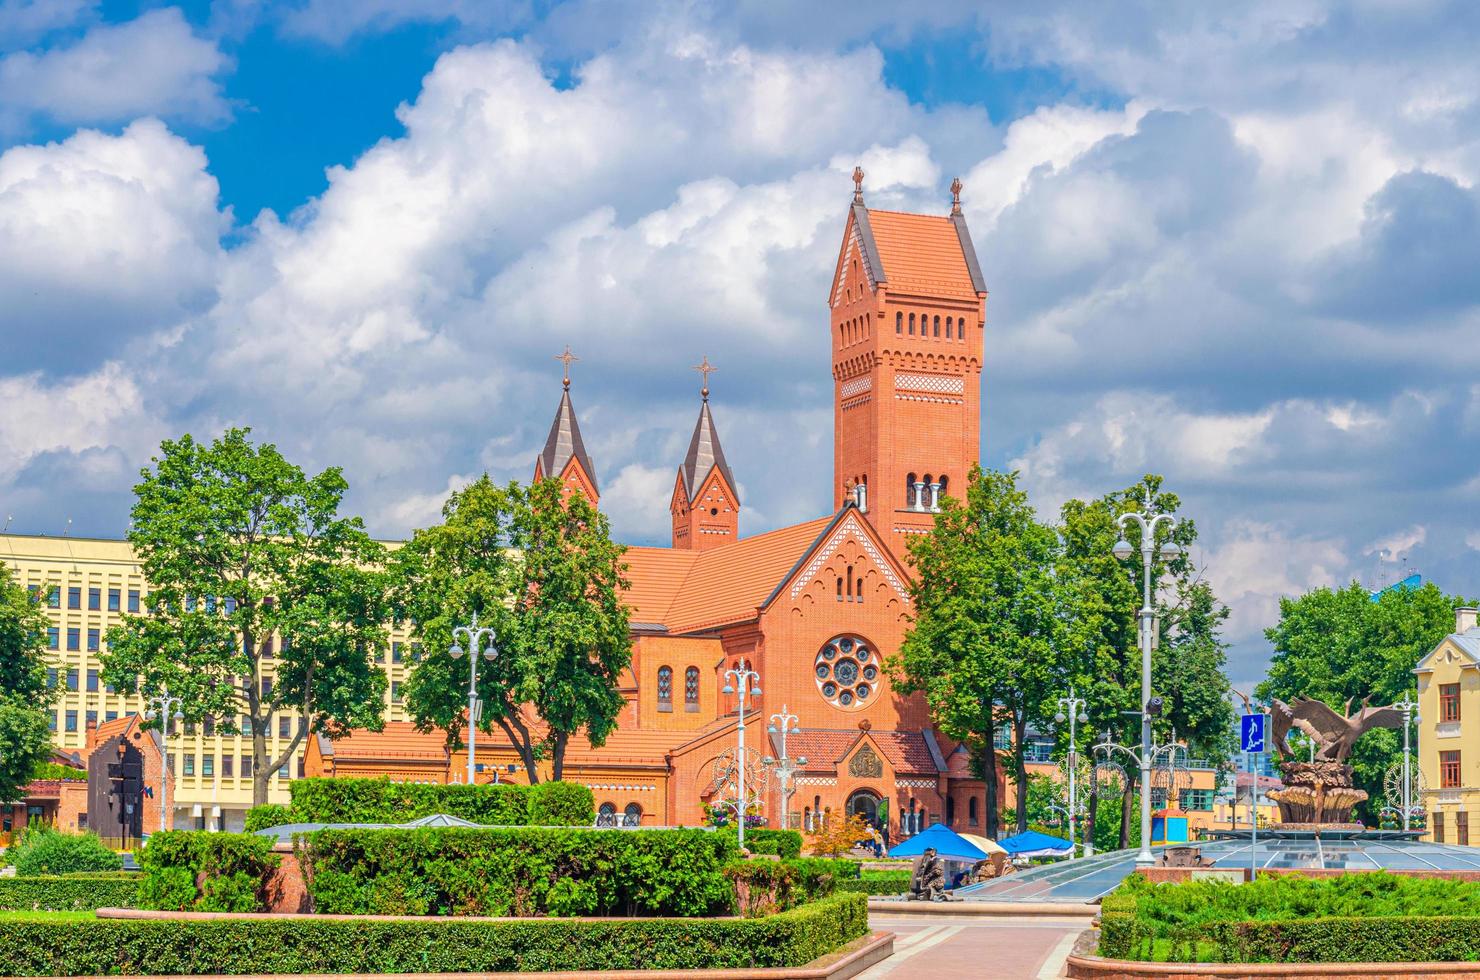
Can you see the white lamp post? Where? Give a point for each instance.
(785, 723)
(1072, 708)
(747, 682)
(159, 707)
(474, 636)
(1148, 520)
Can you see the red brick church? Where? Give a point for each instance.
(814, 608)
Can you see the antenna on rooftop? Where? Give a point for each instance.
(67, 531)
(8, 519)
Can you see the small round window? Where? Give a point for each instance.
(847, 672)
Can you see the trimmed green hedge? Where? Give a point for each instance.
(70, 893)
(782, 843)
(323, 800)
(307, 945)
(55, 770)
(878, 883)
(524, 871)
(44, 851)
(201, 871)
(1361, 917)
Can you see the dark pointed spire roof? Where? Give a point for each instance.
(705, 454)
(564, 442)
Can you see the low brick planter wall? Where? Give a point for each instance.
(1098, 968)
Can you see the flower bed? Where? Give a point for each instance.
(308, 945)
(1360, 917)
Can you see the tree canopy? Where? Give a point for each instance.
(25, 735)
(544, 574)
(264, 601)
(1340, 644)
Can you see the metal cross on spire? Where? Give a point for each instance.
(857, 185)
(566, 356)
(706, 369)
(956, 196)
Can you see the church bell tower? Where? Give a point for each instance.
(908, 314)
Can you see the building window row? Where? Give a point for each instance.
(606, 815)
(690, 688)
(855, 330)
(929, 325)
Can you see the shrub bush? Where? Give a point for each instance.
(195, 870)
(70, 893)
(559, 805)
(527, 871)
(877, 883)
(55, 770)
(1280, 916)
(782, 843)
(269, 815)
(43, 851)
(314, 946)
(382, 801)
(762, 887)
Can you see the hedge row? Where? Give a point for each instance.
(782, 843)
(323, 800)
(308, 946)
(1350, 939)
(764, 887)
(522, 872)
(878, 884)
(70, 893)
(201, 871)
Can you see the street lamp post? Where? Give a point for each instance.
(159, 707)
(474, 636)
(785, 723)
(1148, 520)
(747, 682)
(1072, 708)
(1408, 706)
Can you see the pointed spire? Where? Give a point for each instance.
(564, 441)
(704, 452)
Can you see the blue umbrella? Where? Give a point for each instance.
(950, 845)
(1031, 844)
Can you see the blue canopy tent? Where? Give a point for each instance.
(1032, 844)
(950, 845)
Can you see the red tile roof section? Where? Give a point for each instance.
(921, 253)
(400, 740)
(688, 591)
(824, 748)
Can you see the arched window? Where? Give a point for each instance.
(843, 334)
(665, 688)
(948, 328)
(850, 581)
(971, 811)
(910, 498)
(899, 323)
(606, 816)
(912, 324)
(691, 689)
(937, 327)
(807, 819)
(840, 588)
(632, 816)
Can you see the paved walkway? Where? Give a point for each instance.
(941, 947)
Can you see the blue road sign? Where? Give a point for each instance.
(1253, 732)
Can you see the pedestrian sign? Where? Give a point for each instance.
(1253, 733)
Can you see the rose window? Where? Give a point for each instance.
(847, 671)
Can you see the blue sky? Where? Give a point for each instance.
(1233, 246)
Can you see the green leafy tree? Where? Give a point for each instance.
(265, 600)
(996, 624)
(25, 736)
(1188, 667)
(1337, 645)
(545, 574)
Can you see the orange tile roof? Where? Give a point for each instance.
(399, 740)
(692, 590)
(824, 748)
(633, 746)
(921, 252)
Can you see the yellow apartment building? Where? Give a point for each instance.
(86, 585)
(1449, 731)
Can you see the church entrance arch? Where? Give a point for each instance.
(864, 803)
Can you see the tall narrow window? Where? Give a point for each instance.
(691, 689)
(936, 332)
(912, 324)
(944, 481)
(971, 811)
(1448, 702)
(1438, 825)
(850, 581)
(665, 688)
(910, 498)
(948, 328)
(95, 599)
(899, 323)
(1462, 828)
(840, 588)
(1449, 769)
